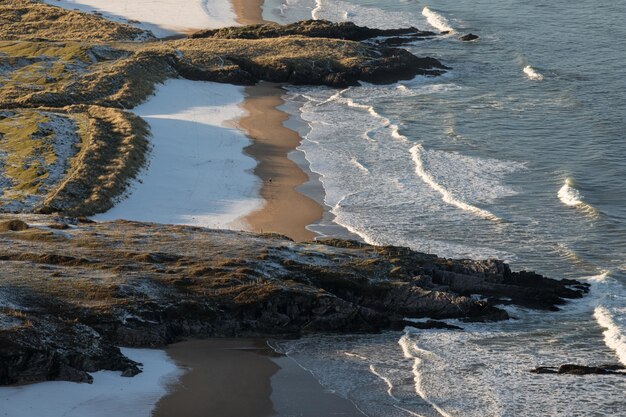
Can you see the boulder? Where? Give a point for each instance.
(469, 37)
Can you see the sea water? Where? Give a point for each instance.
(519, 153)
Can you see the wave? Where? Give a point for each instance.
(572, 197)
(416, 153)
(315, 13)
(614, 335)
(610, 312)
(532, 73)
(374, 17)
(354, 161)
(395, 129)
(437, 21)
(407, 350)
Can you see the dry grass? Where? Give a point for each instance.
(113, 151)
(31, 20)
(82, 66)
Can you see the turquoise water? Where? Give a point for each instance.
(519, 153)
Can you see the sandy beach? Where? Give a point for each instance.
(248, 12)
(197, 174)
(285, 210)
(162, 18)
(245, 378)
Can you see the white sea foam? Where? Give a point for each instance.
(437, 21)
(448, 197)
(532, 73)
(392, 190)
(408, 348)
(614, 335)
(572, 197)
(341, 11)
(359, 165)
(609, 298)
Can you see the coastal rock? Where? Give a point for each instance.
(572, 369)
(312, 29)
(76, 295)
(433, 324)
(469, 37)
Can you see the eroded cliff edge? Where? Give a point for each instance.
(71, 291)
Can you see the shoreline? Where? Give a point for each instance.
(222, 372)
(286, 210)
(248, 12)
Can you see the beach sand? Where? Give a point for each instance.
(245, 378)
(286, 210)
(248, 12)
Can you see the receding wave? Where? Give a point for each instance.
(572, 197)
(395, 129)
(416, 153)
(532, 73)
(437, 21)
(315, 14)
(408, 348)
(614, 336)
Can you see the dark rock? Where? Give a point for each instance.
(400, 40)
(309, 28)
(572, 369)
(469, 37)
(433, 324)
(58, 226)
(147, 285)
(544, 370)
(13, 225)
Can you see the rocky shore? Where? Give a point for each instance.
(72, 291)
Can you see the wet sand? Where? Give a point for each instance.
(224, 378)
(248, 12)
(286, 210)
(245, 378)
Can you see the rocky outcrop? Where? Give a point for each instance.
(310, 29)
(72, 293)
(572, 369)
(469, 37)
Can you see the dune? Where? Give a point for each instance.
(163, 17)
(197, 174)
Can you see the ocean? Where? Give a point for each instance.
(518, 152)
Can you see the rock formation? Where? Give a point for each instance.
(68, 295)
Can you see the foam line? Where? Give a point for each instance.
(614, 337)
(416, 153)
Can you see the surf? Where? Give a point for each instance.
(572, 197)
(532, 73)
(447, 196)
(437, 21)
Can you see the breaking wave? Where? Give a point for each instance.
(437, 21)
(416, 153)
(532, 73)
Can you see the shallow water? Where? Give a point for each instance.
(518, 153)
